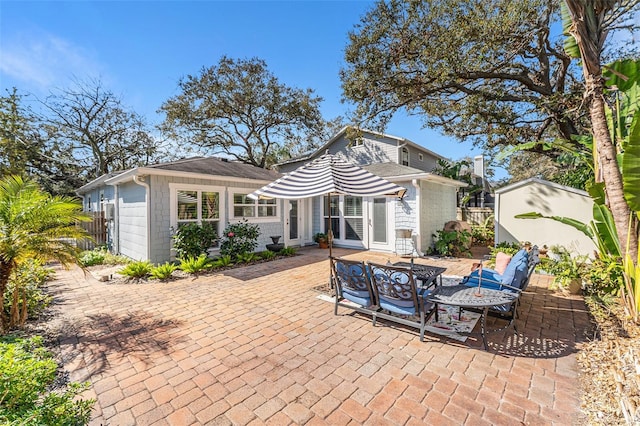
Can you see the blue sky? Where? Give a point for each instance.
(140, 49)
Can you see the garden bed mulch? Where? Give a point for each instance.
(610, 368)
(109, 274)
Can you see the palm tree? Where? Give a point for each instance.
(34, 224)
(591, 21)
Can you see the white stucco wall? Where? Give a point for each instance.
(550, 199)
(438, 207)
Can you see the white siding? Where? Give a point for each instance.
(550, 200)
(438, 207)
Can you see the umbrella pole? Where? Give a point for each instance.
(330, 237)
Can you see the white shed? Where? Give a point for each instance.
(550, 199)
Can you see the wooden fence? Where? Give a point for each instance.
(97, 230)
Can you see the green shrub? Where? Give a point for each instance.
(163, 272)
(241, 237)
(483, 234)
(605, 277)
(452, 243)
(287, 251)
(192, 239)
(113, 259)
(28, 279)
(194, 265)
(268, 254)
(92, 257)
(223, 261)
(247, 257)
(139, 269)
(28, 372)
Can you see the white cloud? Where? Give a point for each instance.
(42, 60)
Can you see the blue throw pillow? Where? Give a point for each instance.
(490, 279)
(510, 271)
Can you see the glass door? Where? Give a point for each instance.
(293, 222)
(380, 223)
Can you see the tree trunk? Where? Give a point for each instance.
(5, 271)
(611, 171)
(588, 30)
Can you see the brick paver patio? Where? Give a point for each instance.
(255, 345)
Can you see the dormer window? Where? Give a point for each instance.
(404, 158)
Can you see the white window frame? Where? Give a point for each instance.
(344, 218)
(173, 202)
(356, 143)
(402, 152)
(420, 157)
(253, 219)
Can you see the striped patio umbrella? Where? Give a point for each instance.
(328, 175)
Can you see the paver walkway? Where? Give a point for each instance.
(255, 345)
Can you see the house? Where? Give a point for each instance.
(143, 205)
(549, 199)
(382, 223)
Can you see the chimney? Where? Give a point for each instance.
(478, 170)
(478, 166)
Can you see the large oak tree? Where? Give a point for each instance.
(487, 71)
(239, 108)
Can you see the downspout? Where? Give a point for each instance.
(496, 221)
(147, 199)
(418, 241)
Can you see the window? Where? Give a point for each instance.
(356, 142)
(199, 207)
(335, 215)
(353, 218)
(197, 204)
(346, 217)
(420, 157)
(405, 157)
(243, 206)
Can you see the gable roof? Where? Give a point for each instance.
(542, 182)
(342, 131)
(202, 167)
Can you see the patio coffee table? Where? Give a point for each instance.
(463, 296)
(426, 274)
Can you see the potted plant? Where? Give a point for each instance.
(321, 239)
(568, 270)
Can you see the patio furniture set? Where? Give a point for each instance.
(409, 294)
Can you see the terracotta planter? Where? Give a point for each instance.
(574, 286)
(323, 244)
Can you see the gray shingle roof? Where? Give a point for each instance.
(392, 169)
(218, 167)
